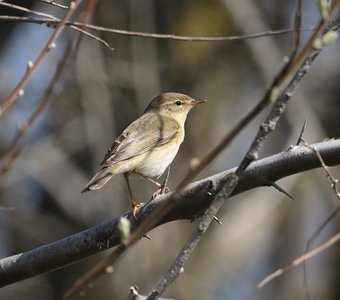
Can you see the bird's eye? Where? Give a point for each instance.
(178, 103)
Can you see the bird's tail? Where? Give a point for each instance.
(98, 180)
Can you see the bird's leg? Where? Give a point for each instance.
(164, 187)
(134, 205)
(156, 183)
(161, 188)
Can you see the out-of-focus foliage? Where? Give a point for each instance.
(104, 91)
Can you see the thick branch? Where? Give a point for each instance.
(194, 200)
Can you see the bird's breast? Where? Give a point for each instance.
(155, 162)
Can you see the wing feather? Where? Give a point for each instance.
(146, 133)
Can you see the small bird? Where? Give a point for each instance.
(149, 144)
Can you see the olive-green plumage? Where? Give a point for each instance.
(149, 144)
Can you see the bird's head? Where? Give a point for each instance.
(174, 105)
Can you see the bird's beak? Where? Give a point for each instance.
(194, 102)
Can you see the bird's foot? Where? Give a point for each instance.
(136, 208)
(163, 189)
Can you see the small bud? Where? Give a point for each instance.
(324, 8)
(29, 64)
(329, 37)
(23, 126)
(274, 94)
(194, 162)
(51, 46)
(326, 39)
(317, 44)
(21, 92)
(285, 59)
(124, 228)
(109, 270)
(72, 5)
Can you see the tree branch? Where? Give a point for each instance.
(50, 22)
(192, 202)
(31, 66)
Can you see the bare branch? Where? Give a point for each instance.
(52, 21)
(46, 100)
(27, 10)
(309, 254)
(192, 202)
(329, 175)
(320, 29)
(31, 66)
(54, 3)
(300, 260)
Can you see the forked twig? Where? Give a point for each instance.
(334, 186)
(46, 100)
(31, 66)
(300, 260)
(50, 18)
(324, 246)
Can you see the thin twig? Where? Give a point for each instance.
(308, 255)
(297, 25)
(300, 260)
(53, 22)
(31, 66)
(27, 10)
(333, 180)
(94, 272)
(50, 19)
(311, 239)
(334, 186)
(321, 28)
(54, 3)
(45, 101)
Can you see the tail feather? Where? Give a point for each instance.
(98, 180)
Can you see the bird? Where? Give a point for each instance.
(149, 144)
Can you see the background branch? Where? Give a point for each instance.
(48, 97)
(76, 25)
(31, 66)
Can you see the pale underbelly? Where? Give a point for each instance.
(154, 164)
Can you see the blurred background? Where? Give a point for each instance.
(103, 91)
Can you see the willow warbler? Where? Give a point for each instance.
(149, 144)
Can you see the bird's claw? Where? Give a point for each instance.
(161, 190)
(136, 209)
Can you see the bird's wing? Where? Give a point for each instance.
(151, 131)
